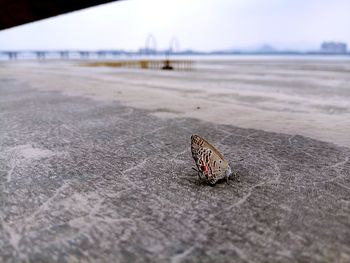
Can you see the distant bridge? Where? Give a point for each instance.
(80, 54)
(137, 62)
(62, 54)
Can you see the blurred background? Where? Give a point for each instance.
(199, 26)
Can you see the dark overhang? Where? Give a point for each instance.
(18, 12)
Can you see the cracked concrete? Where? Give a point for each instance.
(93, 181)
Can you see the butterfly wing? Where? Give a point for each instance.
(197, 141)
(208, 159)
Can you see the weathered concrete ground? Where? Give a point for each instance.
(88, 181)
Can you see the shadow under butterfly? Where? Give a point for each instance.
(209, 161)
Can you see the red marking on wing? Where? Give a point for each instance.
(204, 169)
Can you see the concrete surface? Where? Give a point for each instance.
(309, 97)
(95, 181)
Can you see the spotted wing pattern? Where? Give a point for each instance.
(209, 161)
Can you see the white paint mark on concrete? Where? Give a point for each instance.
(27, 151)
(179, 257)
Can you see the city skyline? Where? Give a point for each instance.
(199, 25)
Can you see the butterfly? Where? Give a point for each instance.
(209, 160)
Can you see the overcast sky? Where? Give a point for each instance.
(197, 24)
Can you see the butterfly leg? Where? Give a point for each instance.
(198, 173)
(235, 176)
(212, 182)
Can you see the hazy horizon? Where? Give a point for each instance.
(198, 25)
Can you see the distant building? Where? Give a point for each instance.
(266, 49)
(334, 47)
